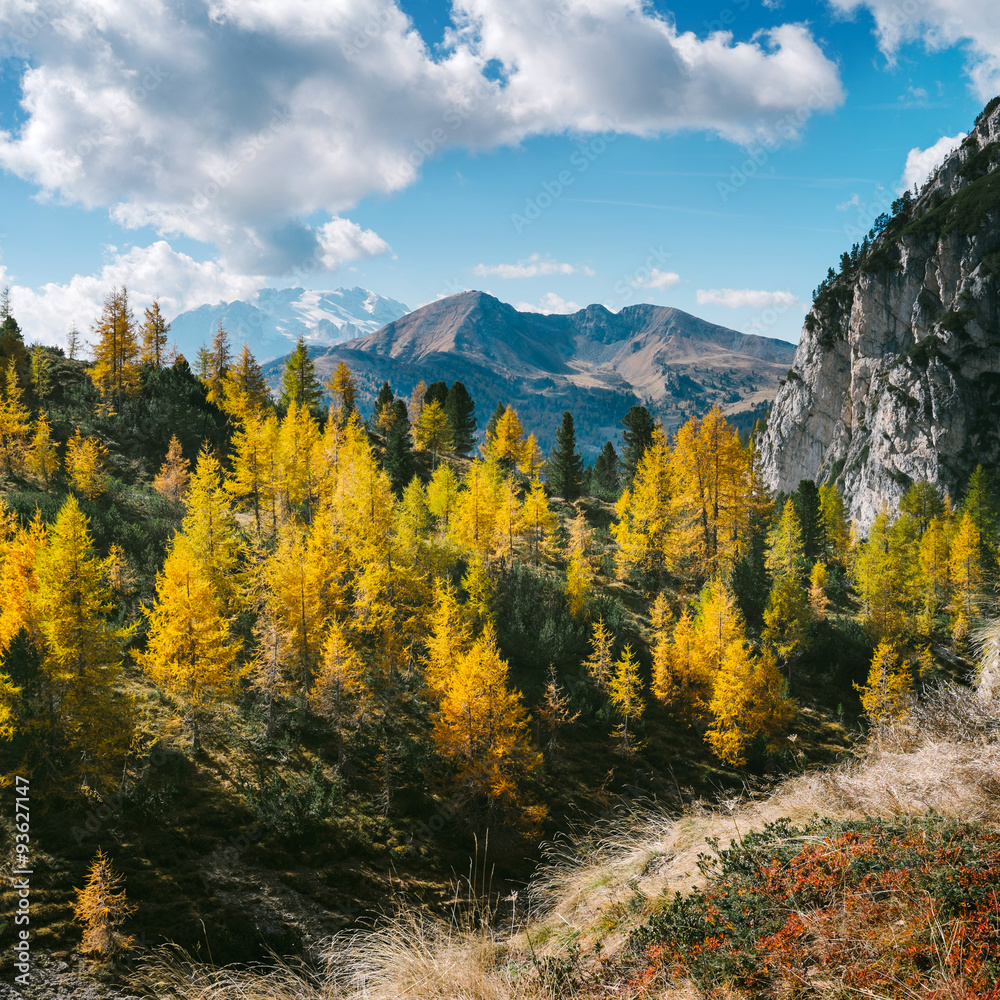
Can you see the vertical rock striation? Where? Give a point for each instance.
(897, 374)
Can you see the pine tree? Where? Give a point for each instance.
(299, 384)
(102, 908)
(86, 459)
(607, 473)
(461, 410)
(808, 510)
(174, 475)
(116, 355)
(491, 425)
(565, 469)
(889, 688)
(625, 693)
(343, 393)
(398, 460)
(153, 351)
(636, 438)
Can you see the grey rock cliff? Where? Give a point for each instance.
(897, 374)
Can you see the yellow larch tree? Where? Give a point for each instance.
(714, 490)
(819, 602)
(189, 651)
(442, 495)
(625, 693)
(665, 681)
(474, 525)
(210, 526)
(18, 548)
(647, 515)
(343, 395)
(749, 702)
(299, 454)
(102, 908)
(254, 476)
(600, 665)
(877, 577)
(80, 649)
(506, 445)
(538, 522)
(580, 568)
(175, 474)
(836, 526)
(482, 731)
(508, 517)
(933, 555)
(718, 623)
(15, 426)
(448, 639)
(888, 691)
(965, 568)
(153, 346)
(433, 432)
(691, 680)
(245, 394)
(86, 461)
(115, 371)
(43, 457)
(340, 693)
(215, 363)
(296, 580)
(532, 461)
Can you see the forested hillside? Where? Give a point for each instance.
(276, 662)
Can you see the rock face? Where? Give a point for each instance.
(897, 375)
(595, 363)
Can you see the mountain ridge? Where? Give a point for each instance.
(594, 362)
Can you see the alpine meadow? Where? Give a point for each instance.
(620, 621)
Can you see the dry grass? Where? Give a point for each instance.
(945, 756)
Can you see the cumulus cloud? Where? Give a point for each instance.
(532, 267)
(921, 163)
(740, 298)
(657, 279)
(178, 281)
(551, 303)
(940, 24)
(233, 121)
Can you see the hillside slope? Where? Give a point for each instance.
(595, 363)
(897, 374)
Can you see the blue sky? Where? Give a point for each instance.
(717, 158)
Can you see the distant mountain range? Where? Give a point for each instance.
(272, 322)
(595, 363)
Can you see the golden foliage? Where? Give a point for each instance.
(102, 908)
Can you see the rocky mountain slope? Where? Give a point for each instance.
(594, 363)
(272, 322)
(897, 374)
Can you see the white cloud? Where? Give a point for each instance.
(231, 121)
(741, 298)
(551, 303)
(657, 279)
(533, 267)
(853, 202)
(972, 24)
(921, 163)
(46, 314)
